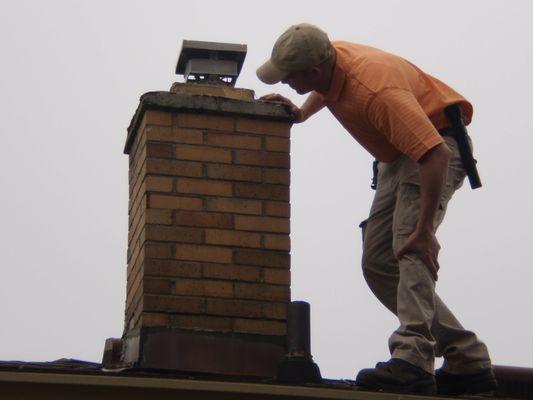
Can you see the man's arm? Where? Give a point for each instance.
(312, 105)
(433, 167)
(398, 115)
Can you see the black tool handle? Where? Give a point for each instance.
(454, 115)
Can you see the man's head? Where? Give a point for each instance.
(302, 57)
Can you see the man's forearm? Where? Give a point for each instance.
(312, 105)
(433, 168)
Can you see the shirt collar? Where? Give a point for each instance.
(337, 83)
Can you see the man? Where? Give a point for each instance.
(395, 111)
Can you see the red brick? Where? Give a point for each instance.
(274, 175)
(181, 304)
(233, 141)
(134, 318)
(135, 230)
(139, 256)
(203, 219)
(134, 312)
(173, 167)
(203, 253)
(234, 308)
(277, 242)
(134, 267)
(203, 186)
(204, 287)
(172, 268)
(133, 251)
(159, 150)
(174, 135)
(277, 208)
(262, 224)
(157, 286)
(159, 183)
(232, 272)
(133, 280)
(154, 319)
(278, 144)
(261, 191)
(258, 291)
(204, 121)
(236, 206)
(262, 327)
(152, 117)
(137, 201)
(232, 238)
(262, 258)
(138, 144)
(161, 217)
(135, 187)
(136, 174)
(277, 276)
(273, 128)
(275, 310)
(202, 153)
(202, 323)
(173, 234)
(234, 173)
(261, 158)
(158, 250)
(175, 202)
(134, 292)
(136, 222)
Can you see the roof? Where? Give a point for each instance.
(70, 378)
(66, 378)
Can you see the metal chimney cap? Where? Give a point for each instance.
(211, 61)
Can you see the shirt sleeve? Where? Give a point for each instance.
(399, 117)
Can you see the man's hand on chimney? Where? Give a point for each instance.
(294, 109)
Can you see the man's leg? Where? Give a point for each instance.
(380, 267)
(427, 328)
(463, 352)
(381, 271)
(413, 341)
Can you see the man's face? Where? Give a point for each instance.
(302, 81)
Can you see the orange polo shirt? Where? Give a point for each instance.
(388, 104)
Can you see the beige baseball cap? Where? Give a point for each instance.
(300, 47)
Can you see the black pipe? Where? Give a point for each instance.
(298, 365)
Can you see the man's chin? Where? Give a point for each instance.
(302, 91)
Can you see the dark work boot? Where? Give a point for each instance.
(483, 382)
(397, 376)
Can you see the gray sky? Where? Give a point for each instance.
(71, 74)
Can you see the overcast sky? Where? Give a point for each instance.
(71, 73)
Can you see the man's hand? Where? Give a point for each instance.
(425, 245)
(433, 167)
(297, 112)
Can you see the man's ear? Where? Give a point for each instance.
(316, 73)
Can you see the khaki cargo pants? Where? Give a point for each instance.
(428, 329)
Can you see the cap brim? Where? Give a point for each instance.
(270, 74)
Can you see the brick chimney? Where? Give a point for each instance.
(208, 278)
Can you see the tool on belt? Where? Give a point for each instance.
(457, 131)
